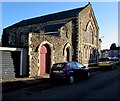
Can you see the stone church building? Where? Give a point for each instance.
(71, 35)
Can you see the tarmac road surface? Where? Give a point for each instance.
(102, 86)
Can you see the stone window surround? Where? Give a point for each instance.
(90, 33)
(67, 45)
(87, 50)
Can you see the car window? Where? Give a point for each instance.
(73, 65)
(104, 59)
(116, 59)
(69, 64)
(79, 65)
(59, 65)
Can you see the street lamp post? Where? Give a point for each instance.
(100, 41)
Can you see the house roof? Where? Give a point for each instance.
(53, 27)
(49, 17)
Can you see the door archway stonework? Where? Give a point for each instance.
(45, 58)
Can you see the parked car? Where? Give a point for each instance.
(117, 61)
(107, 63)
(69, 71)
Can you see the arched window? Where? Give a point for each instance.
(86, 51)
(67, 52)
(94, 54)
(90, 53)
(90, 33)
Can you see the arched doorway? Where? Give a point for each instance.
(45, 59)
(67, 54)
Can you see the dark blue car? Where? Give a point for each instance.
(69, 71)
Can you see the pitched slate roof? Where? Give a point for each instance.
(53, 27)
(50, 17)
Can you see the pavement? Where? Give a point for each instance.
(19, 83)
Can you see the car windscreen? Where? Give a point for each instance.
(104, 59)
(58, 65)
(112, 59)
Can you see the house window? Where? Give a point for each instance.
(22, 38)
(86, 53)
(94, 53)
(11, 39)
(90, 54)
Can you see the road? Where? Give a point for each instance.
(103, 85)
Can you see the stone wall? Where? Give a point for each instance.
(57, 44)
(18, 36)
(32, 37)
(86, 16)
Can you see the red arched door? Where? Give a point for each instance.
(45, 59)
(43, 52)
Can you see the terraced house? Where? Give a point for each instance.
(71, 35)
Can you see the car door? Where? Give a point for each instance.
(74, 69)
(81, 69)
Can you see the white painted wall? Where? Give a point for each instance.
(23, 59)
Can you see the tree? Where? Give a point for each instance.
(113, 46)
